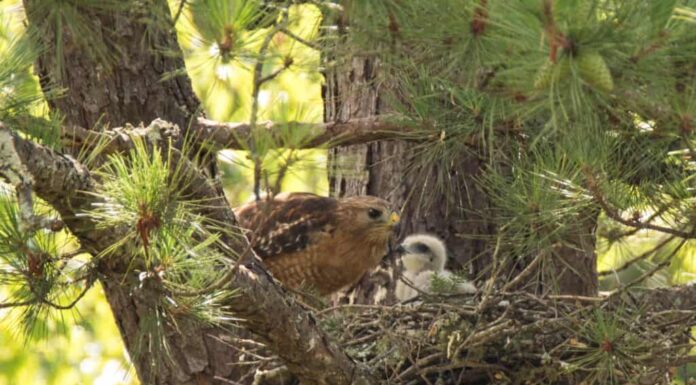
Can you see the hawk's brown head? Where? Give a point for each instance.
(319, 242)
(369, 217)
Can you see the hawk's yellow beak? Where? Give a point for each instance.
(394, 218)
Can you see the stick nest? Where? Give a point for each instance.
(511, 338)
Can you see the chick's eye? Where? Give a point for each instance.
(374, 213)
(421, 248)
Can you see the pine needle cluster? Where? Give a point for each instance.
(177, 260)
(574, 106)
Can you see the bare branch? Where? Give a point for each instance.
(666, 262)
(286, 64)
(295, 135)
(118, 139)
(258, 67)
(638, 258)
(304, 135)
(615, 215)
(72, 303)
(299, 39)
(4, 305)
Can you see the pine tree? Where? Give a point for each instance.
(528, 134)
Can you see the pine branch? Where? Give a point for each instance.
(666, 262)
(299, 39)
(222, 135)
(300, 343)
(555, 37)
(4, 305)
(614, 214)
(637, 259)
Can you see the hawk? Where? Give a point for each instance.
(323, 243)
(424, 257)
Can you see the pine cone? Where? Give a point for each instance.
(594, 70)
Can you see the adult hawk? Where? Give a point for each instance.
(323, 243)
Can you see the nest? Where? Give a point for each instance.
(512, 338)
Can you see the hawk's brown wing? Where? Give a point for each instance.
(287, 223)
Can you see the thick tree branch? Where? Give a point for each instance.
(300, 344)
(303, 135)
(289, 331)
(294, 135)
(62, 181)
(238, 136)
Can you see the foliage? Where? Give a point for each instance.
(221, 43)
(285, 97)
(576, 106)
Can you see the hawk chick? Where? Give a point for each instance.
(319, 242)
(424, 257)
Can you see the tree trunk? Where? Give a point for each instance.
(133, 82)
(132, 90)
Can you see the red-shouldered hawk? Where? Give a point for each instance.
(424, 257)
(306, 240)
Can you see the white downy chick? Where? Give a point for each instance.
(423, 257)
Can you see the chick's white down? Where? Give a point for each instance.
(424, 257)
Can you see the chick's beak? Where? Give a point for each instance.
(400, 249)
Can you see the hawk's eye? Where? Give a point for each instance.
(374, 213)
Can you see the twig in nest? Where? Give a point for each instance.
(479, 338)
(280, 375)
(490, 282)
(524, 273)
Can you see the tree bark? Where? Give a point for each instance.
(135, 80)
(129, 89)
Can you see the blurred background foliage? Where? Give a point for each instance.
(221, 40)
